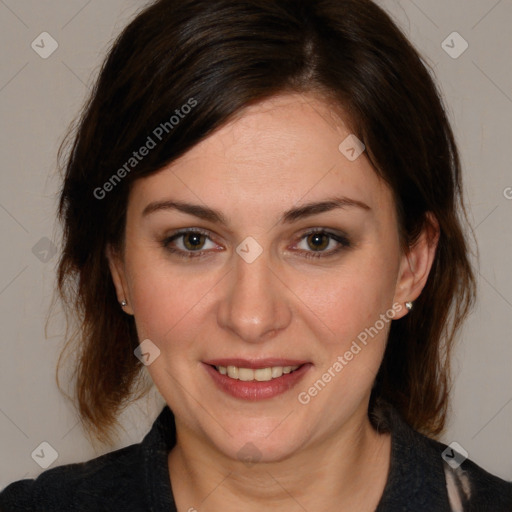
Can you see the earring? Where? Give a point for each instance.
(408, 305)
(124, 303)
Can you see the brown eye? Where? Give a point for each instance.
(318, 241)
(315, 243)
(189, 243)
(193, 241)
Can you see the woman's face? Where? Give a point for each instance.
(292, 258)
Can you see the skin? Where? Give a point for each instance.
(274, 156)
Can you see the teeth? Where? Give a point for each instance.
(277, 371)
(245, 374)
(263, 374)
(260, 375)
(232, 372)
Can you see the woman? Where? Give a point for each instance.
(253, 210)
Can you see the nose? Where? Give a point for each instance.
(255, 305)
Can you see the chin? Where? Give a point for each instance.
(259, 441)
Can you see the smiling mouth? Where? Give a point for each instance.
(259, 374)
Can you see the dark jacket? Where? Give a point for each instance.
(136, 478)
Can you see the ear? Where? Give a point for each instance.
(118, 273)
(416, 263)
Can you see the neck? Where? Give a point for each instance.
(347, 471)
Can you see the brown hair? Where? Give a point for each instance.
(222, 56)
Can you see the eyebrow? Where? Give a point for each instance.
(292, 215)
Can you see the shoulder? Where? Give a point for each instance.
(130, 479)
(470, 487)
(98, 484)
(426, 474)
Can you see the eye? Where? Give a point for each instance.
(192, 243)
(188, 243)
(317, 241)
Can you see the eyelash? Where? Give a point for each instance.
(343, 242)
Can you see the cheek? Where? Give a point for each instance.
(167, 301)
(350, 298)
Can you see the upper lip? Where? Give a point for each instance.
(255, 363)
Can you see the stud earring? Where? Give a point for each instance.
(124, 303)
(408, 305)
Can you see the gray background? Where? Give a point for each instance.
(40, 97)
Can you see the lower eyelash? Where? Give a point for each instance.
(181, 254)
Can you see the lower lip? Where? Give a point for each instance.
(255, 390)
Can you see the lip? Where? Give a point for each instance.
(255, 364)
(254, 390)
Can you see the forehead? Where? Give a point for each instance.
(274, 154)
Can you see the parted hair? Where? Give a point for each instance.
(219, 57)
